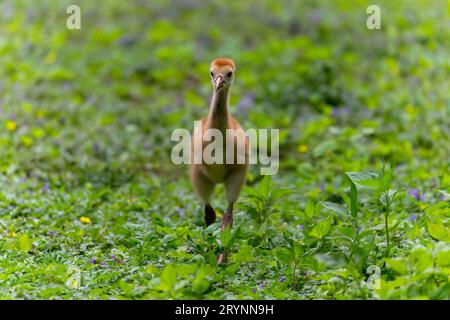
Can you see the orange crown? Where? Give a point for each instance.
(220, 62)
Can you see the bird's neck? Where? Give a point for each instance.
(218, 110)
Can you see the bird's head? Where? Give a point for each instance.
(222, 73)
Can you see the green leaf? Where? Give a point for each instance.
(265, 186)
(421, 259)
(398, 265)
(440, 209)
(388, 195)
(364, 179)
(321, 229)
(310, 209)
(337, 208)
(167, 278)
(443, 258)
(438, 231)
(202, 279)
(284, 256)
(244, 254)
(24, 243)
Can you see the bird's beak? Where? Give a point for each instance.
(218, 83)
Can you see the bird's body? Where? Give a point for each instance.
(205, 176)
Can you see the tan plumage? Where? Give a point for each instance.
(204, 176)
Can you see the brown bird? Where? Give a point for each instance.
(205, 176)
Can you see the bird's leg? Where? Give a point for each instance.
(227, 222)
(227, 219)
(210, 214)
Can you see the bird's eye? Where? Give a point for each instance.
(229, 74)
(212, 74)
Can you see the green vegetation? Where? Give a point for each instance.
(91, 206)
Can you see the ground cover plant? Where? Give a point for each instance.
(91, 207)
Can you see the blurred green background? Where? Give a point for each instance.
(92, 207)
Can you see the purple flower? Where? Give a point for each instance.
(301, 226)
(413, 217)
(245, 103)
(253, 290)
(315, 17)
(414, 193)
(46, 187)
(166, 110)
(126, 41)
(181, 212)
(322, 187)
(340, 112)
(93, 261)
(51, 233)
(282, 279)
(261, 286)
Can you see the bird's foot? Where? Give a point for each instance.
(227, 221)
(222, 258)
(210, 215)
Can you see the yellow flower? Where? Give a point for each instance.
(409, 108)
(303, 148)
(11, 125)
(85, 219)
(12, 234)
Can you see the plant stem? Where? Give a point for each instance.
(386, 217)
(294, 273)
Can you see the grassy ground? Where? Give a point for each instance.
(92, 207)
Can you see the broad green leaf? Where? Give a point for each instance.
(265, 186)
(321, 229)
(284, 256)
(202, 279)
(244, 254)
(336, 208)
(387, 195)
(184, 270)
(440, 209)
(439, 231)
(310, 209)
(23, 243)
(167, 278)
(443, 258)
(364, 179)
(398, 265)
(421, 259)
